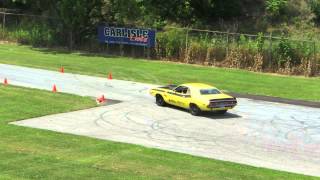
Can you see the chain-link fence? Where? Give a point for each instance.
(254, 52)
(30, 29)
(264, 53)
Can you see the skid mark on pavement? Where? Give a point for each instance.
(258, 133)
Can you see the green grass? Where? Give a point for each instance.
(239, 81)
(27, 153)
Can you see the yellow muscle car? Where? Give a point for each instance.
(196, 97)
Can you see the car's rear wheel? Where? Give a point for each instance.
(160, 101)
(195, 110)
(221, 111)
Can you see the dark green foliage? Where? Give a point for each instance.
(73, 23)
(170, 42)
(77, 19)
(284, 51)
(275, 7)
(35, 34)
(75, 13)
(156, 13)
(315, 6)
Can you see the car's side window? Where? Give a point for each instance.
(188, 91)
(183, 90)
(179, 89)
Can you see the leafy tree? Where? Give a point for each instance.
(173, 10)
(275, 7)
(78, 17)
(315, 6)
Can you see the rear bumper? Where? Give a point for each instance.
(217, 109)
(222, 104)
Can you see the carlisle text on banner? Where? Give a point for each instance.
(130, 36)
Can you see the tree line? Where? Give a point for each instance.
(80, 17)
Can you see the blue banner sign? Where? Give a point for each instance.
(130, 36)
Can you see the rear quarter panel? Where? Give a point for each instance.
(160, 91)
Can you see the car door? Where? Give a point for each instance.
(184, 98)
(173, 95)
(181, 97)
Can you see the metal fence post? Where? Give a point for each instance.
(227, 53)
(107, 48)
(144, 52)
(315, 63)
(71, 40)
(186, 48)
(4, 21)
(270, 51)
(132, 51)
(148, 52)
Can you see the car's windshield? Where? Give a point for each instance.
(209, 91)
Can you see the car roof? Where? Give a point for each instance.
(197, 85)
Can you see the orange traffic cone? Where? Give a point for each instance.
(62, 69)
(54, 88)
(110, 76)
(5, 82)
(101, 99)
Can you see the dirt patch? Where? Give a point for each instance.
(107, 102)
(7, 42)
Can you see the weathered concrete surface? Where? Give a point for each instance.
(264, 134)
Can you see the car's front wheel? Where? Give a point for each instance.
(160, 101)
(195, 110)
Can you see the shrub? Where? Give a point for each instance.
(315, 7)
(170, 42)
(33, 34)
(275, 7)
(255, 45)
(284, 52)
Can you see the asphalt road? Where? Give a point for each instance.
(264, 134)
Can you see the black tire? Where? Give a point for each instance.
(221, 112)
(195, 110)
(160, 101)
